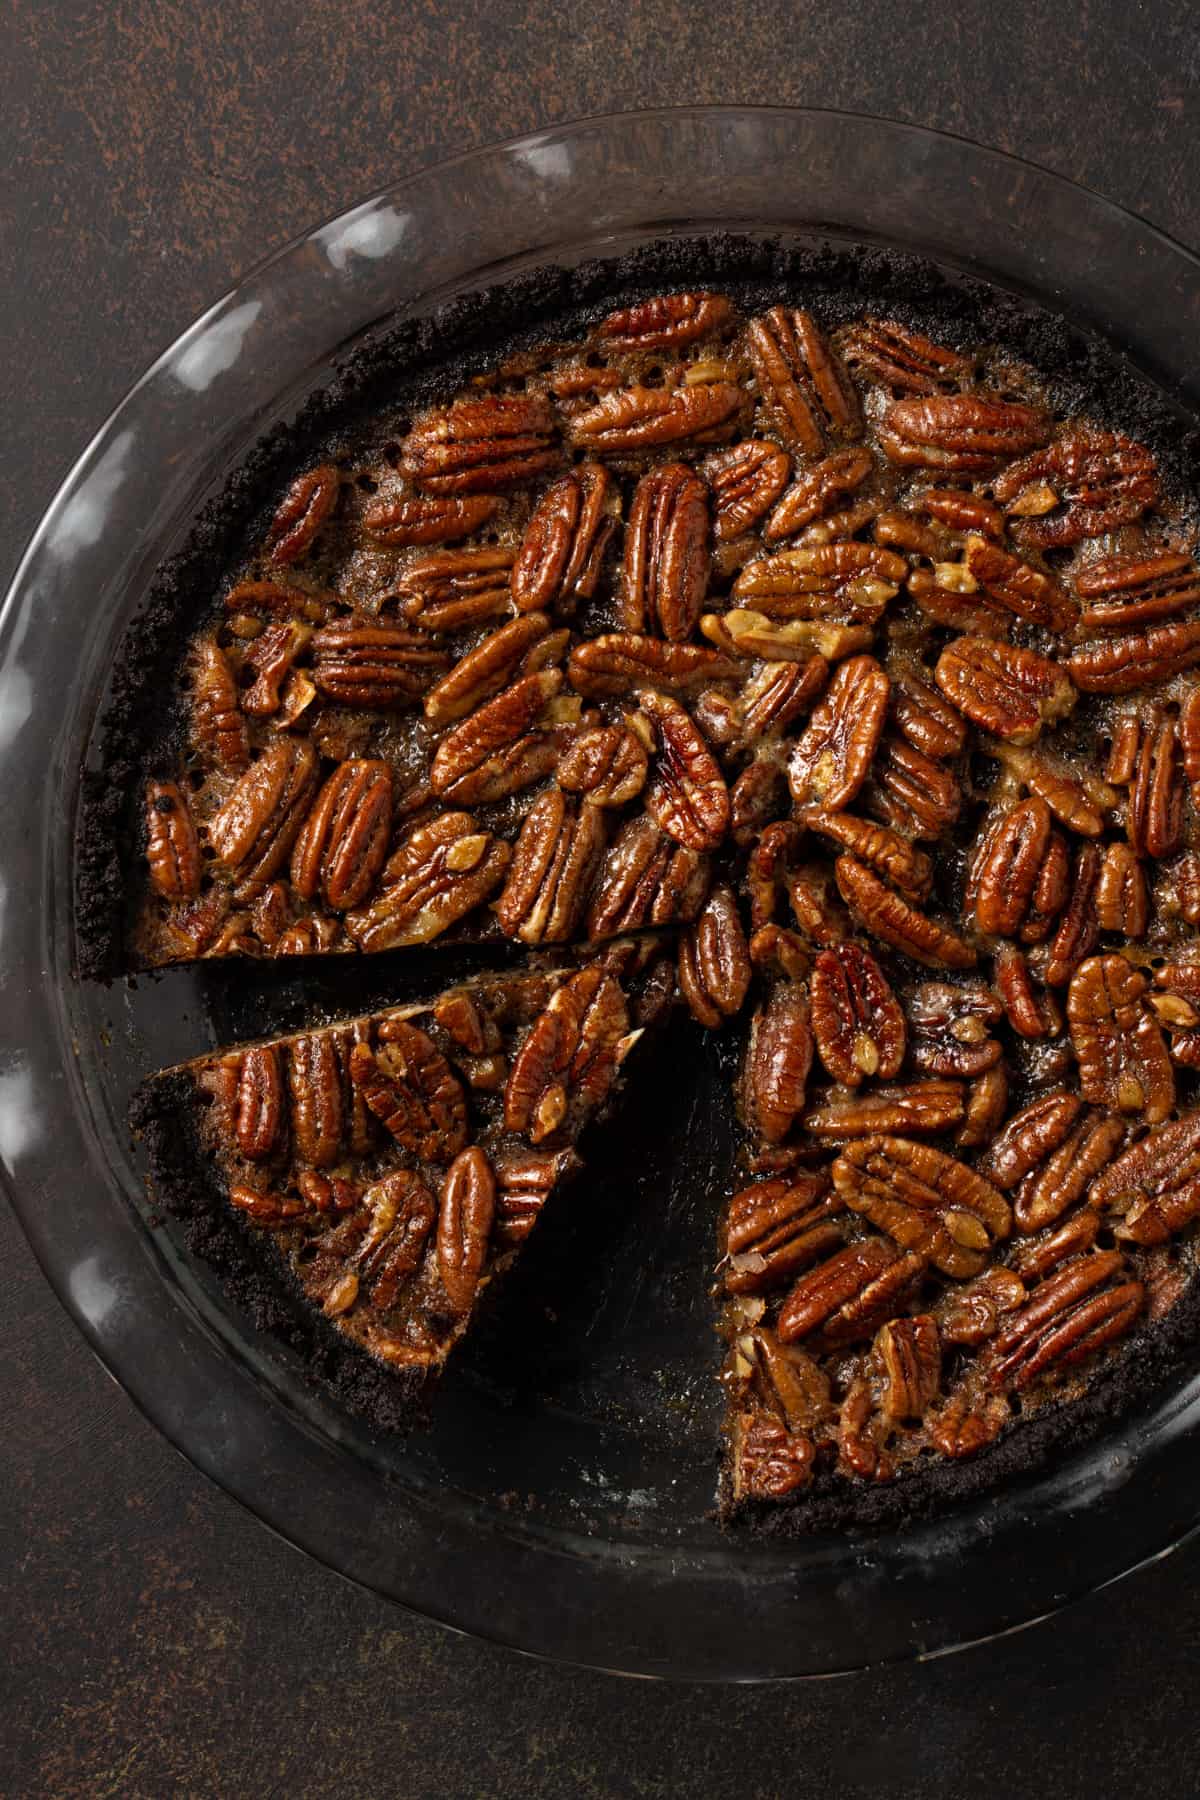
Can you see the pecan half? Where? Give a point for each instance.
(848, 1296)
(815, 492)
(376, 666)
(757, 797)
(743, 631)
(465, 1214)
(952, 1026)
(344, 840)
(857, 1022)
(525, 1179)
(495, 751)
(902, 360)
(255, 829)
(923, 716)
(608, 764)
(885, 851)
(301, 514)
(638, 418)
(833, 757)
(1123, 1061)
(1122, 897)
(665, 321)
(481, 445)
(569, 1058)
(1154, 813)
(714, 961)
(412, 1090)
(454, 590)
(1020, 875)
(910, 791)
(258, 1115)
(778, 1058)
(968, 433)
(314, 1074)
(968, 1423)
(1078, 927)
(556, 855)
(1002, 689)
(218, 727)
(769, 1461)
(818, 581)
(887, 916)
(804, 387)
(1138, 659)
(775, 1228)
(400, 1211)
(1129, 590)
(271, 657)
(1065, 1173)
(439, 874)
(487, 668)
(744, 481)
(1155, 1184)
(928, 1202)
(686, 795)
(647, 879)
(971, 1313)
(399, 523)
(1031, 1012)
(172, 846)
(665, 571)
(1029, 1138)
(563, 548)
(617, 662)
(909, 1355)
(1096, 481)
(1027, 592)
(1069, 1316)
(899, 1108)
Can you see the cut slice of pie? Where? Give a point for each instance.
(393, 1164)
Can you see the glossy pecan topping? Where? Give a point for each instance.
(807, 391)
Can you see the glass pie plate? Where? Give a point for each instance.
(561, 1502)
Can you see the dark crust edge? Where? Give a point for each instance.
(425, 360)
(162, 1115)
(467, 336)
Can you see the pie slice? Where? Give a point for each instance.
(393, 1164)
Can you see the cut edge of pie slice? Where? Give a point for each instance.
(387, 1168)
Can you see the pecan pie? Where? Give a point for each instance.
(853, 660)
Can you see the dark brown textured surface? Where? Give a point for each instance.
(157, 1639)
